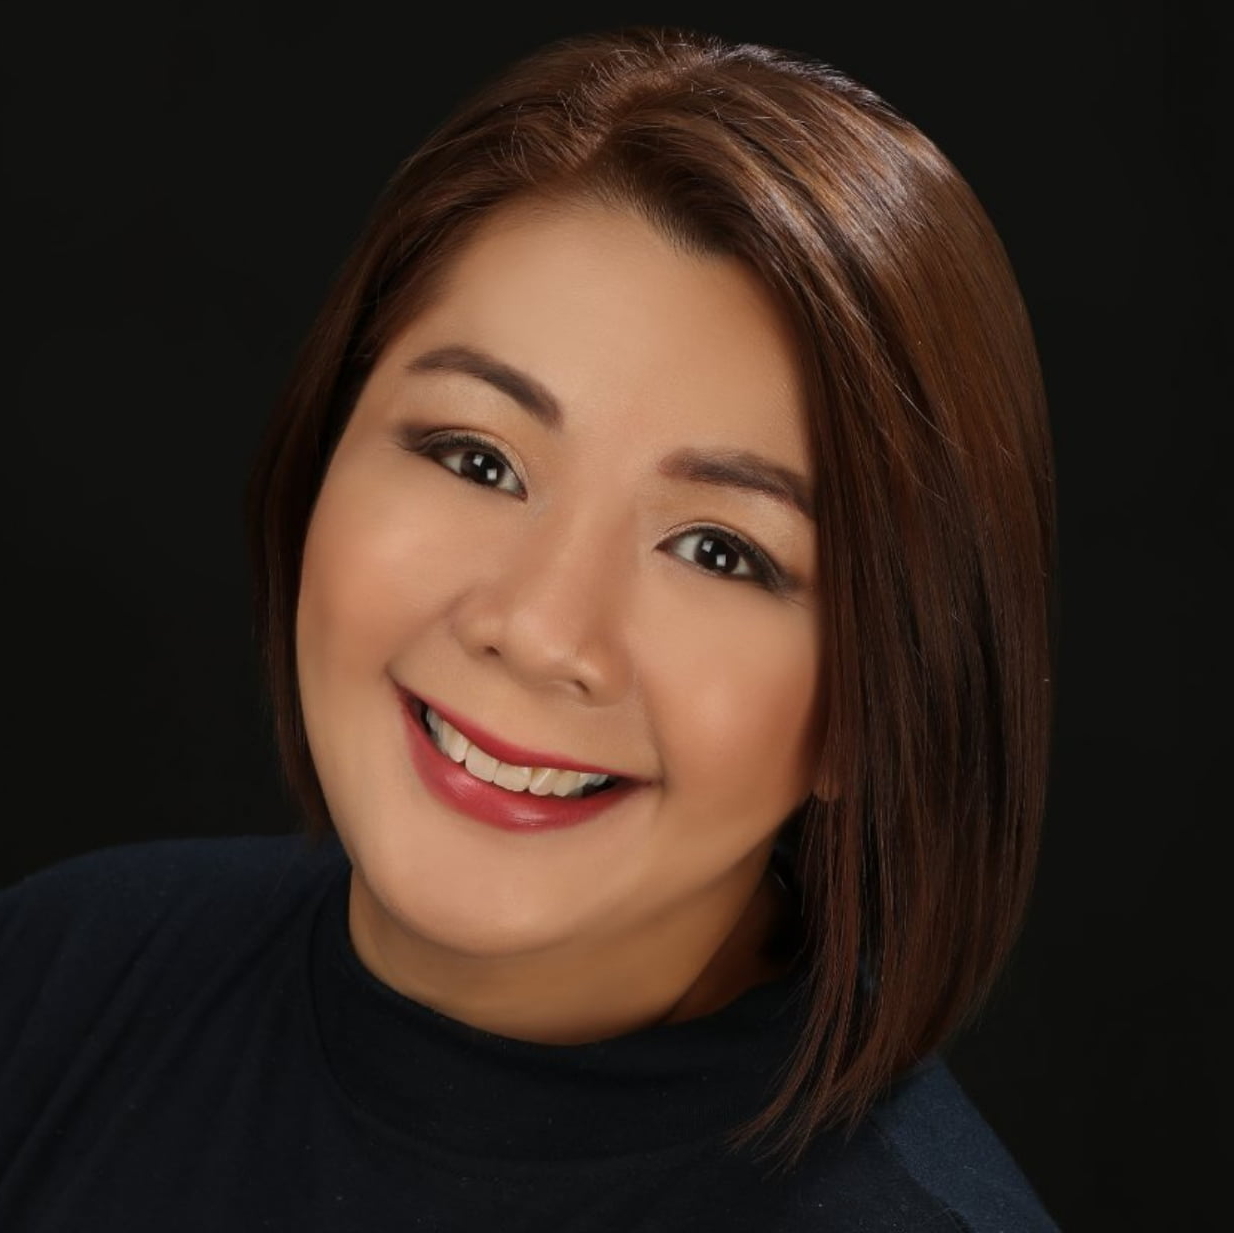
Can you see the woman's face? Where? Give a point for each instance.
(569, 511)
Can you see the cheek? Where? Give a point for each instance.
(736, 704)
(362, 602)
(362, 586)
(337, 619)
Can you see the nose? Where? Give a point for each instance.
(552, 609)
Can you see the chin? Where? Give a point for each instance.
(459, 902)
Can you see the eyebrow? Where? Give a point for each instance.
(725, 468)
(524, 390)
(742, 469)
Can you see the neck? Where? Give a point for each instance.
(747, 957)
(671, 970)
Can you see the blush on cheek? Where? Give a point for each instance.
(358, 582)
(741, 734)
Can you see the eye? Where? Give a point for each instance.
(474, 459)
(727, 555)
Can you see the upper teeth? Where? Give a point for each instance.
(538, 780)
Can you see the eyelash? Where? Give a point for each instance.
(764, 571)
(441, 445)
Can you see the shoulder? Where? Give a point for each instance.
(130, 885)
(932, 1131)
(922, 1160)
(86, 922)
(127, 960)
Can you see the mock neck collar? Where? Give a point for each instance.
(464, 1090)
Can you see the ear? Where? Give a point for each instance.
(826, 787)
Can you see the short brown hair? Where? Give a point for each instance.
(935, 508)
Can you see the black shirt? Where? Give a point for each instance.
(188, 1042)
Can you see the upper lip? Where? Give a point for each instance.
(504, 751)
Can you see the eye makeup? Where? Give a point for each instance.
(717, 551)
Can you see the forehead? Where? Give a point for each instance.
(610, 314)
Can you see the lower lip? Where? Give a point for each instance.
(455, 786)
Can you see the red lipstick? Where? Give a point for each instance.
(456, 787)
(503, 751)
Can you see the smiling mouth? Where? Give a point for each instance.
(533, 780)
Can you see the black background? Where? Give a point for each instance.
(180, 184)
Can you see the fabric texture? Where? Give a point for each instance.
(188, 1041)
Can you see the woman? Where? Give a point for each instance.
(652, 556)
